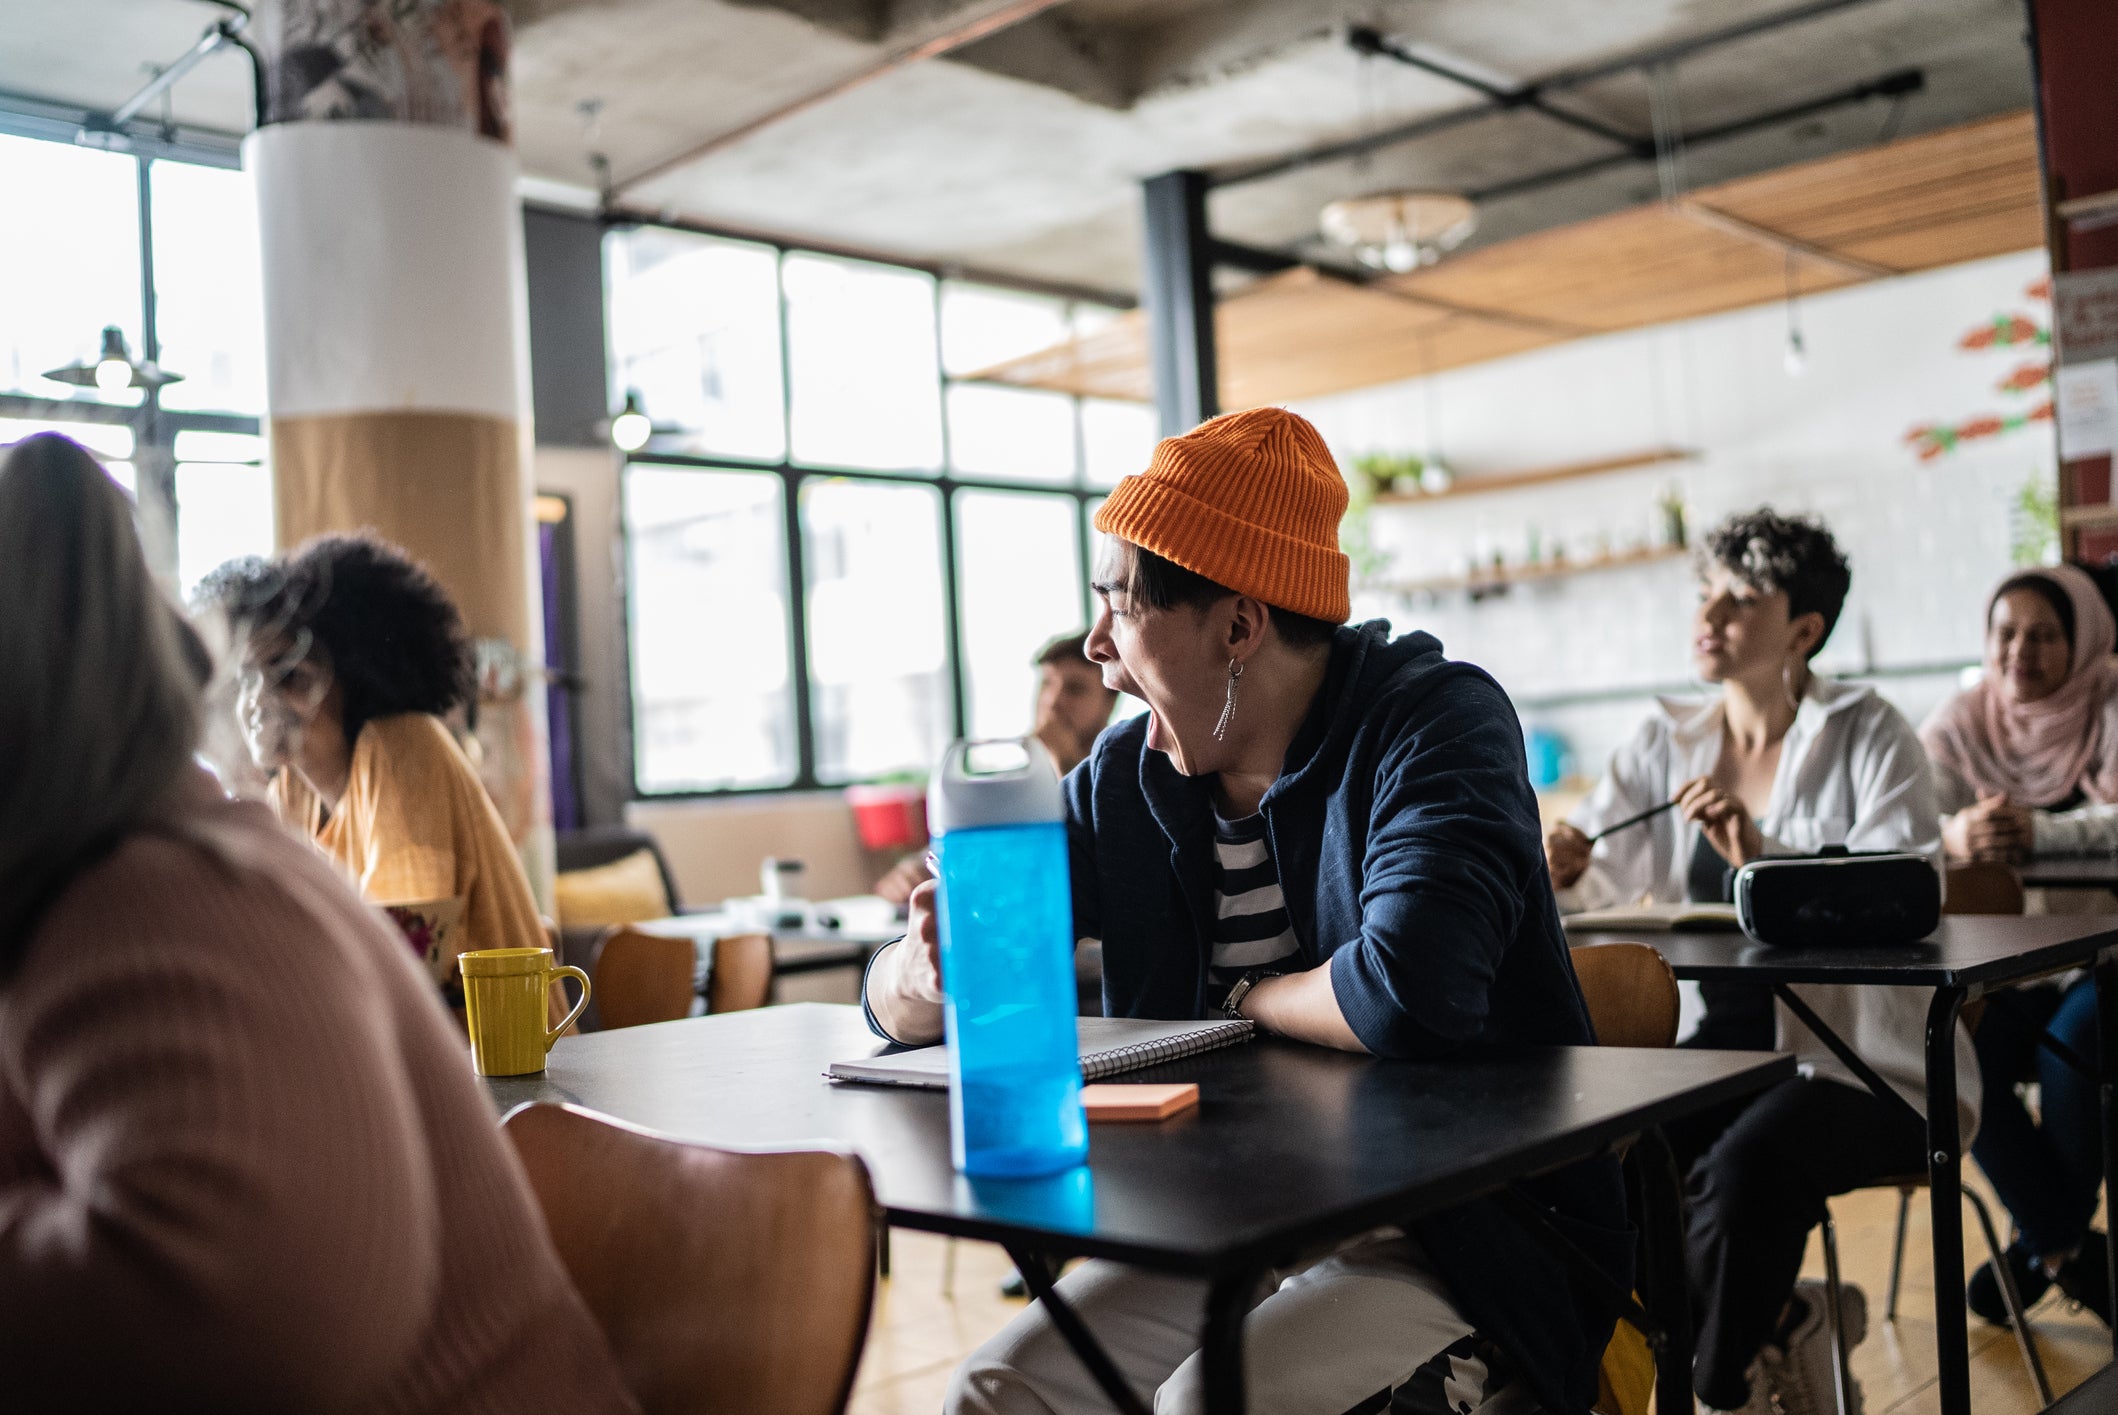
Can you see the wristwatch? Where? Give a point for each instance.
(1231, 1006)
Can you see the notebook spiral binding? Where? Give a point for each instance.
(1131, 1058)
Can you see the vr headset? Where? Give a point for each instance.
(1838, 900)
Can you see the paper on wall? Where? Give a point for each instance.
(2086, 402)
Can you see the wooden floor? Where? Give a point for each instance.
(920, 1334)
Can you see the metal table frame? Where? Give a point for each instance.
(652, 1076)
(2095, 946)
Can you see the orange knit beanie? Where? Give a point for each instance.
(1250, 500)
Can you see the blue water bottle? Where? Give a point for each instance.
(1007, 960)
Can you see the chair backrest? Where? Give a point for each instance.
(1984, 887)
(727, 1284)
(643, 977)
(1631, 994)
(742, 973)
(594, 845)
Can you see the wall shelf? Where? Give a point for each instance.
(2095, 516)
(1495, 580)
(1512, 481)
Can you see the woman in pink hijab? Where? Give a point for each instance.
(2028, 761)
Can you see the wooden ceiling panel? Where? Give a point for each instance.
(1960, 194)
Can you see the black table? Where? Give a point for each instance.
(2070, 872)
(1292, 1146)
(1964, 959)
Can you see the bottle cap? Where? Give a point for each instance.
(998, 781)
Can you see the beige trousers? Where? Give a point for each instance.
(1322, 1340)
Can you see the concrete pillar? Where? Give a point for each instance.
(2077, 131)
(395, 329)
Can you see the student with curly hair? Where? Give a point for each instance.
(1778, 762)
(352, 661)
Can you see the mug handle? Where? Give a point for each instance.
(566, 970)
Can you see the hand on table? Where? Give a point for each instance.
(904, 990)
(1990, 830)
(1724, 820)
(1566, 854)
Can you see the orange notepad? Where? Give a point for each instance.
(1138, 1102)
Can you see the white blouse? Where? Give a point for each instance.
(1852, 772)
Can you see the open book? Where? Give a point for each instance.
(1651, 918)
(1110, 1046)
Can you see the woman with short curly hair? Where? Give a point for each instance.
(351, 662)
(1778, 762)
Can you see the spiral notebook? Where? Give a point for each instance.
(1110, 1046)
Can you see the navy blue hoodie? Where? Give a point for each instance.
(1408, 848)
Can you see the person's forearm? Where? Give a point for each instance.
(902, 1016)
(1302, 1006)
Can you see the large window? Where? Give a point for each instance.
(939, 520)
(190, 453)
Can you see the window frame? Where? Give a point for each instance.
(154, 428)
(944, 480)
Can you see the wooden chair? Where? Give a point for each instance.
(742, 973)
(1631, 994)
(726, 1283)
(1985, 887)
(643, 977)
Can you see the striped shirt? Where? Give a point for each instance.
(1251, 928)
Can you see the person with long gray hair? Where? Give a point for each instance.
(243, 1166)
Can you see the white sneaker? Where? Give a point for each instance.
(1802, 1377)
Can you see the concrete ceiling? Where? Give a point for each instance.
(1021, 152)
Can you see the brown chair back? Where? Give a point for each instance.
(1984, 887)
(643, 977)
(727, 1284)
(742, 973)
(1631, 994)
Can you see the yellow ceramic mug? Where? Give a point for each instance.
(504, 991)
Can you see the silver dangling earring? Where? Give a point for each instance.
(1787, 685)
(1220, 729)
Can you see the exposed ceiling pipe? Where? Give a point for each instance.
(226, 31)
(1530, 96)
(1499, 100)
(988, 21)
(1895, 84)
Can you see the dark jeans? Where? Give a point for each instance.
(2047, 1174)
(1739, 1017)
(1757, 1173)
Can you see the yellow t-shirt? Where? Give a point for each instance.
(414, 825)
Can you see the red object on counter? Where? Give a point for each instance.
(889, 817)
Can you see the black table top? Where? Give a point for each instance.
(1966, 950)
(1291, 1144)
(2071, 872)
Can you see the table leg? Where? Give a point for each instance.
(2107, 1076)
(1952, 1348)
(1221, 1353)
(1666, 1283)
(1037, 1274)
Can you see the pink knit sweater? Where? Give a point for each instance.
(245, 1166)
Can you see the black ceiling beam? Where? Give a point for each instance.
(1896, 84)
(1531, 97)
(1551, 83)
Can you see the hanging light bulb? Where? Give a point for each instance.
(630, 429)
(1796, 358)
(114, 366)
